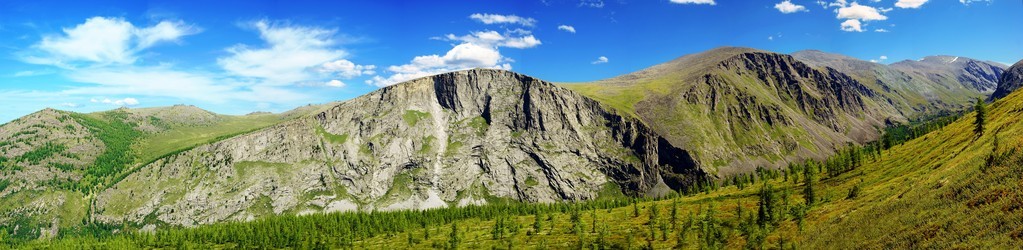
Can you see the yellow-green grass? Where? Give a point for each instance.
(180, 138)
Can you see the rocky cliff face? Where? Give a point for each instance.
(447, 140)
(738, 109)
(1010, 81)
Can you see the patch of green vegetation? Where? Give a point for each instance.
(177, 139)
(245, 167)
(531, 182)
(480, 125)
(118, 136)
(427, 146)
(332, 138)
(452, 148)
(40, 153)
(516, 134)
(262, 206)
(412, 117)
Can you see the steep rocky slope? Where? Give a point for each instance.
(1010, 81)
(972, 74)
(739, 108)
(452, 139)
(916, 88)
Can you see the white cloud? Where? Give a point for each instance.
(710, 2)
(117, 102)
(479, 49)
(103, 40)
(879, 59)
(788, 7)
(567, 28)
(910, 4)
(463, 56)
(852, 25)
(883, 58)
(346, 69)
(601, 59)
(881, 30)
(291, 55)
(70, 105)
(503, 19)
(860, 12)
(335, 83)
(494, 39)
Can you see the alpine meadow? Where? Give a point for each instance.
(547, 124)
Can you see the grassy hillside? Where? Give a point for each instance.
(53, 162)
(950, 188)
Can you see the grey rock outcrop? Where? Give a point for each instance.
(447, 140)
(1011, 80)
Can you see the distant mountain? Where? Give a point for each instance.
(740, 108)
(916, 88)
(972, 74)
(1010, 81)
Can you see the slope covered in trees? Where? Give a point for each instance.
(947, 187)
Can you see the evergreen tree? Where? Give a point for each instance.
(981, 110)
(808, 192)
(454, 239)
(765, 213)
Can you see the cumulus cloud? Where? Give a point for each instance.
(710, 2)
(567, 28)
(103, 40)
(852, 25)
(463, 56)
(600, 60)
(495, 39)
(788, 7)
(335, 83)
(503, 19)
(860, 12)
(910, 4)
(879, 59)
(346, 69)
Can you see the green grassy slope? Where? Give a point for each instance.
(736, 117)
(950, 188)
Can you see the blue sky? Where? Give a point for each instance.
(236, 57)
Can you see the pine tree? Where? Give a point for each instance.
(454, 239)
(808, 191)
(981, 110)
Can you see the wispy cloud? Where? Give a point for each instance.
(503, 19)
(708, 2)
(600, 60)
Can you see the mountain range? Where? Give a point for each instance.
(471, 137)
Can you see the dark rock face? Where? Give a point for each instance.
(1011, 80)
(834, 91)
